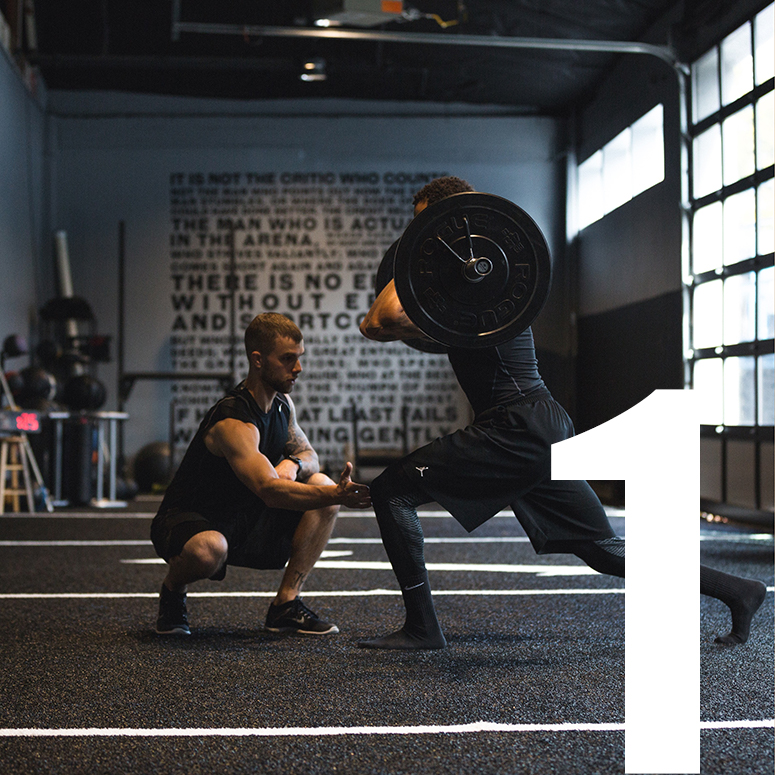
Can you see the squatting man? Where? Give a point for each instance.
(249, 491)
(502, 459)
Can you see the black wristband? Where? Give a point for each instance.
(295, 460)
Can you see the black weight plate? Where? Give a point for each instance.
(436, 278)
(384, 276)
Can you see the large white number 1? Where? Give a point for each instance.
(654, 447)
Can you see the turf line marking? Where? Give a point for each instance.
(125, 542)
(476, 727)
(78, 515)
(754, 538)
(440, 540)
(346, 514)
(537, 570)
(339, 540)
(335, 593)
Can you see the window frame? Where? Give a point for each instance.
(758, 347)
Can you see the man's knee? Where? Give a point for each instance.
(325, 512)
(319, 479)
(209, 549)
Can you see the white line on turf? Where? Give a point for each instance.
(329, 593)
(77, 515)
(375, 541)
(756, 538)
(538, 570)
(440, 540)
(428, 729)
(346, 513)
(125, 542)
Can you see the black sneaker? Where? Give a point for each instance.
(173, 617)
(294, 616)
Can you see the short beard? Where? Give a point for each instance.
(278, 387)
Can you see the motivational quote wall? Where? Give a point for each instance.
(307, 245)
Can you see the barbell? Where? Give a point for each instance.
(472, 270)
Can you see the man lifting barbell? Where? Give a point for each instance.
(469, 276)
(249, 491)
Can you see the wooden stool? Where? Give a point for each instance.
(13, 459)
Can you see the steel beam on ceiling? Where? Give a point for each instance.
(665, 53)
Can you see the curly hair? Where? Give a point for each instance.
(265, 328)
(441, 188)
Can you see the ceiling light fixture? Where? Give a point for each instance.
(356, 13)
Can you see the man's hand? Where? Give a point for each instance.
(387, 321)
(287, 469)
(354, 496)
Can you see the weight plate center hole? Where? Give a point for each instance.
(476, 269)
(479, 276)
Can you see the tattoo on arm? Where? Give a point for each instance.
(298, 445)
(297, 441)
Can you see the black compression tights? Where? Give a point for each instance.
(395, 501)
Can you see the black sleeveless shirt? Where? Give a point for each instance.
(500, 375)
(205, 483)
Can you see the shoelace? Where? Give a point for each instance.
(183, 612)
(176, 604)
(300, 608)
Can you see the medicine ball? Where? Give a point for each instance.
(37, 383)
(15, 383)
(152, 466)
(84, 393)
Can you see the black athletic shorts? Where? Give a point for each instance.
(261, 542)
(504, 459)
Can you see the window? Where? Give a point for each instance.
(730, 286)
(625, 167)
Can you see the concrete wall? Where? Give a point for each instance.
(23, 276)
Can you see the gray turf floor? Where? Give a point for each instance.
(78, 663)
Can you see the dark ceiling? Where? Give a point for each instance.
(129, 45)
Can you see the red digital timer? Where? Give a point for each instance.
(27, 421)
